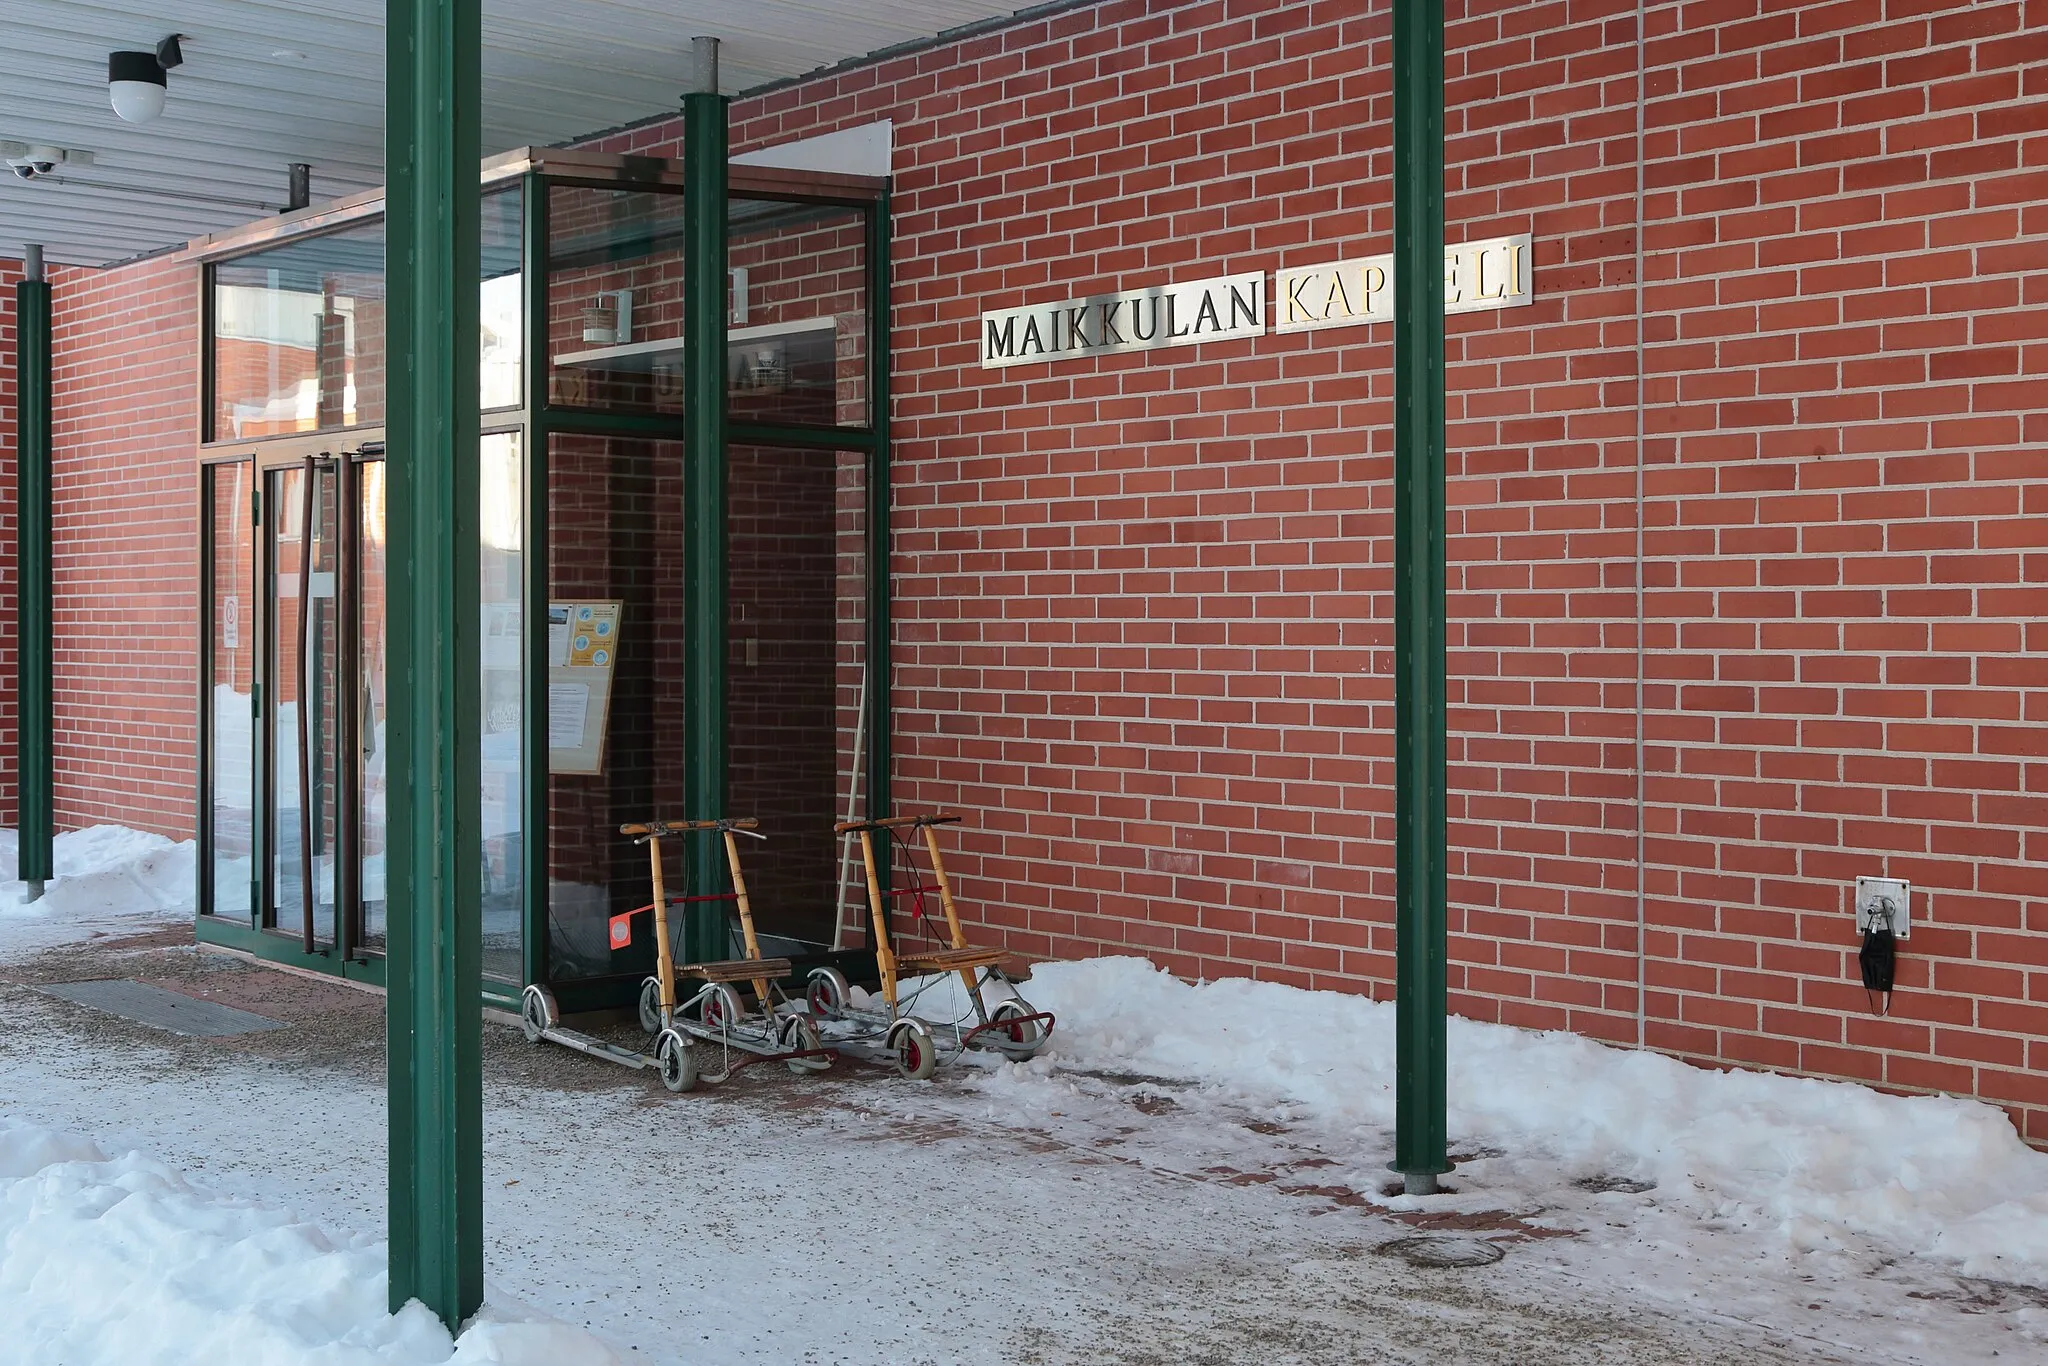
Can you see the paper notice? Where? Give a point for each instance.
(558, 636)
(568, 707)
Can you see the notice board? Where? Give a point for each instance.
(583, 653)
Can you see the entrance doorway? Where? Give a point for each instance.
(323, 555)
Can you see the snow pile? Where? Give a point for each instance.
(105, 874)
(1815, 1159)
(106, 1261)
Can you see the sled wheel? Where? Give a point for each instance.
(1017, 1037)
(537, 1012)
(721, 1009)
(650, 1006)
(916, 1055)
(827, 993)
(678, 1064)
(800, 1035)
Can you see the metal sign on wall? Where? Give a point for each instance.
(1494, 273)
(1477, 275)
(1140, 320)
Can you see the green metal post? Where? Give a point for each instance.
(878, 717)
(434, 964)
(705, 932)
(1420, 1153)
(34, 718)
(533, 762)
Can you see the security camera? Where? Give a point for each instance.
(31, 162)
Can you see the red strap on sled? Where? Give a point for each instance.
(621, 925)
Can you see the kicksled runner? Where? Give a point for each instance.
(893, 1030)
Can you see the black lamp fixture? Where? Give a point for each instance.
(137, 81)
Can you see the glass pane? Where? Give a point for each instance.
(502, 593)
(298, 330)
(796, 351)
(370, 764)
(298, 336)
(797, 626)
(231, 641)
(615, 712)
(303, 621)
(502, 304)
(615, 299)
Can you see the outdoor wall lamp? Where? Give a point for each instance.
(137, 81)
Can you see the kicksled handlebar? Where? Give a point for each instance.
(892, 823)
(656, 829)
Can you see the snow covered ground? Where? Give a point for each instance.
(1192, 1173)
(108, 878)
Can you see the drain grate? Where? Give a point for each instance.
(1438, 1251)
(162, 1009)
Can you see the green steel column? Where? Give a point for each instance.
(34, 717)
(705, 933)
(434, 965)
(1419, 720)
(879, 714)
(533, 752)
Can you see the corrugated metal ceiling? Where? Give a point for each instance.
(269, 82)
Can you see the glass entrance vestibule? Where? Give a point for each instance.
(585, 632)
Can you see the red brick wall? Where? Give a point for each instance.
(126, 568)
(10, 275)
(1143, 623)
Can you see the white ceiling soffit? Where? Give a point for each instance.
(270, 82)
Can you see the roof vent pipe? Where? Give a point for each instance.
(298, 186)
(703, 66)
(31, 262)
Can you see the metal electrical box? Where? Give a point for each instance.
(1877, 895)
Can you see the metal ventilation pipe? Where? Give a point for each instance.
(703, 66)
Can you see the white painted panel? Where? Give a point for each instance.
(866, 150)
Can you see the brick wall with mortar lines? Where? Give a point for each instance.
(10, 276)
(125, 430)
(1143, 627)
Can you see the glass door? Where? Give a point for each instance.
(324, 722)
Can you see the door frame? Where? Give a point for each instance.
(338, 955)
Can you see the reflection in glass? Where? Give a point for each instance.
(374, 819)
(615, 537)
(231, 758)
(615, 299)
(797, 622)
(501, 570)
(298, 336)
(796, 348)
(298, 329)
(303, 679)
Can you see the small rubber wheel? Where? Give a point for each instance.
(650, 1006)
(537, 1012)
(827, 993)
(721, 1009)
(798, 1034)
(1017, 1037)
(678, 1063)
(917, 1057)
